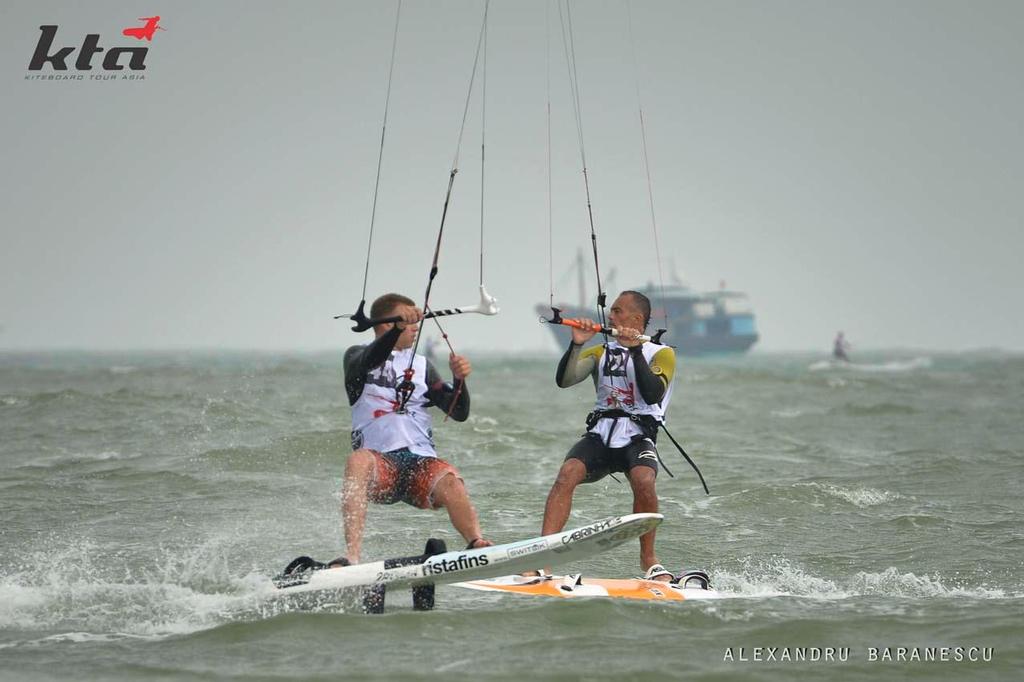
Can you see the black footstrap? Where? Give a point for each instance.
(700, 577)
(303, 563)
(300, 569)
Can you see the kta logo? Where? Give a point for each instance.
(91, 47)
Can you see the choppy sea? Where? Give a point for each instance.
(147, 497)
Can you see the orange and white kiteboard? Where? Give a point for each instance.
(570, 586)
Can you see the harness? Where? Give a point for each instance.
(647, 423)
(649, 426)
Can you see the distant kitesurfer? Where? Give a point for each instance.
(394, 458)
(839, 348)
(634, 384)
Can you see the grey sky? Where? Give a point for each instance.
(851, 165)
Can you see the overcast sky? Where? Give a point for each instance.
(849, 165)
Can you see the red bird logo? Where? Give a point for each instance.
(620, 396)
(144, 32)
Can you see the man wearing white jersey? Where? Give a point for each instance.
(390, 388)
(634, 384)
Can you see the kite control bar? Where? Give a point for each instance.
(488, 305)
(556, 318)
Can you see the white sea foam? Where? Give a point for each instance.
(176, 597)
(75, 638)
(895, 366)
(892, 366)
(788, 413)
(15, 598)
(863, 497)
(860, 497)
(124, 609)
(891, 582)
(483, 424)
(78, 457)
(101, 456)
(780, 577)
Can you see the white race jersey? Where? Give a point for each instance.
(617, 390)
(375, 422)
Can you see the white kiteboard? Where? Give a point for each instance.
(476, 564)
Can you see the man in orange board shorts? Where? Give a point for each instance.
(393, 458)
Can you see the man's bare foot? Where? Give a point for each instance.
(479, 543)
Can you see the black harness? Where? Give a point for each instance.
(647, 423)
(649, 426)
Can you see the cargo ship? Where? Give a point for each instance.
(696, 322)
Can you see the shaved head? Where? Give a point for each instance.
(640, 302)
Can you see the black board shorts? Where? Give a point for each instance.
(601, 460)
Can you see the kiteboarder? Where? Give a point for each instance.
(390, 388)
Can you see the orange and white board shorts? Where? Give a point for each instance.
(403, 476)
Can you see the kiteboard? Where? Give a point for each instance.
(689, 586)
(428, 569)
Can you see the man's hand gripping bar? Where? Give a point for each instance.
(556, 318)
(488, 305)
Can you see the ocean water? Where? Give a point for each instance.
(147, 498)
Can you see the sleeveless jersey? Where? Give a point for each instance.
(376, 424)
(617, 390)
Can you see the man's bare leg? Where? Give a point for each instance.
(451, 494)
(358, 471)
(645, 499)
(559, 503)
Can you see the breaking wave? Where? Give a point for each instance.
(780, 577)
